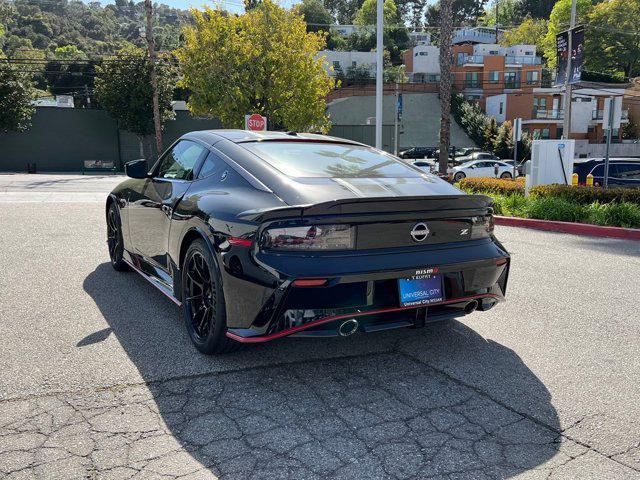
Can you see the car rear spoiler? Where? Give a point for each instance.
(445, 205)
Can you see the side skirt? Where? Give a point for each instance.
(166, 291)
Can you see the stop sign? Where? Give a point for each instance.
(255, 122)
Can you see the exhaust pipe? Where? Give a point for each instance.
(471, 306)
(348, 327)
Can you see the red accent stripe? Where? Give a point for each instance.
(310, 282)
(284, 333)
(569, 227)
(150, 280)
(239, 242)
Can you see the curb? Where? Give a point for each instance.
(570, 227)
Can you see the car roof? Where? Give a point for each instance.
(242, 136)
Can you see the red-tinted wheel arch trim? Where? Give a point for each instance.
(333, 318)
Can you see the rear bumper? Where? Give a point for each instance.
(263, 302)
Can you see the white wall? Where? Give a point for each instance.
(426, 59)
(488, 49)
(522, 51)
(346, 60)
(493, 107)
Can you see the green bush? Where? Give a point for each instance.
(554, 208)
(587, 195)
(624, 214)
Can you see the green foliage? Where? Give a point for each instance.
(503, 143)
(464, 12)
(489, 133)
(554, 208)
(366, 15)
(261, 62)
(585, 195)
(630, 129)
(123, 87)
(16, 93)
(509, 13)
(530, 32)
(315, 15)
(608, 50)
(89, 27)
(624, 214)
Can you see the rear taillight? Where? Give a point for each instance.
(482, 226)
(312, 237)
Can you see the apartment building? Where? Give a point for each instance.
(542, 112)
(477, 35)
(487, 69)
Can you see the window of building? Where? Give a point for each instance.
(354, 64)
(546, 133)
(494, 76)
(539, 104)
(493, 52)
(472, 80)
(512, 79)
(532, 77)
(501, 108)
(336, 65)
(424, 54)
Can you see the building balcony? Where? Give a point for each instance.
(598, 114)
(523, 60)
(464, 59)
(541, 114)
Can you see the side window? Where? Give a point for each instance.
(179, 162)
(626, 170)
(598, 171)
(212, 165)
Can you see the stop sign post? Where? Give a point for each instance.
(255, 122)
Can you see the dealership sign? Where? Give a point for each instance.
(255, 122)
(577, 55)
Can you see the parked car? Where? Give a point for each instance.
(475, 156)
(262, 235)
(469, 151)
(425, 165)
(417, 152)
(623, 172)
(481, 168)
(519, 166)
(453, 151)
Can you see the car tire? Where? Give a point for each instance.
(203, 302)
(115, 242)
(505, 175)
(459, 176)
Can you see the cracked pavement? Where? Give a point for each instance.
(98, 380)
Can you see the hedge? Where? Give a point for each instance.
(587, 195)
(495, 186)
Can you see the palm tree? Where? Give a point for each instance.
(446, 35)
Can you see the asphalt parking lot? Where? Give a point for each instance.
(98, 378)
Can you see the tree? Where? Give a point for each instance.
(367, 14)
(509, 13)
(536, 8)
(559, 21)
(314, 13)
(123, 88)
(16, 93)
(261, 62)
(462, 11)
(610, 46)
(503, 144)
(343, 10)
(489, 134)
(446, 37)
(529, 32)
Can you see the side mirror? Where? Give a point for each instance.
(136, 168)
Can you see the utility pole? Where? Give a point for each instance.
(566, 125)
(151, 46)
(446, 34)
(497, 40)
(379, 72)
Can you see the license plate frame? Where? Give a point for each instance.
(421, 290)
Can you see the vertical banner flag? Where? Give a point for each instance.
(577, 55)
(399, 107)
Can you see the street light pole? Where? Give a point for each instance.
(568, 88)
(379, 73)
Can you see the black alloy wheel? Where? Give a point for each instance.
(114, 239)
(203, 301)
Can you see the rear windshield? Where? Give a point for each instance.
(333, 160)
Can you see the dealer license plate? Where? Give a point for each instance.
(420, 290)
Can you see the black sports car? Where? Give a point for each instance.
(263, 235)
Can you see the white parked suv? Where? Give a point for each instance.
(481, 168)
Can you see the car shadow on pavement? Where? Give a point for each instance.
(313, 408)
